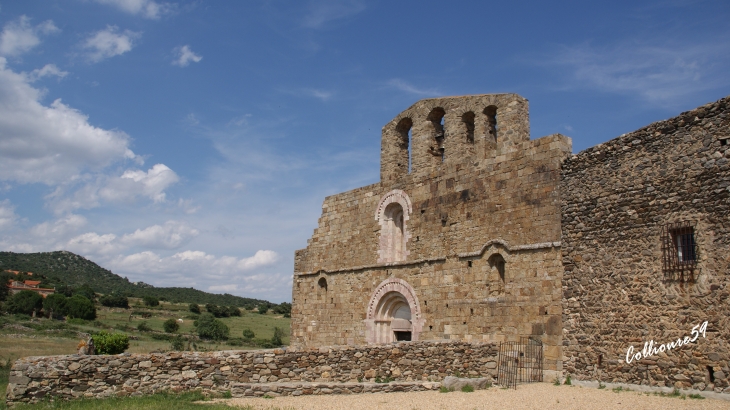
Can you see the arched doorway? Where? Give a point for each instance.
(393, 313)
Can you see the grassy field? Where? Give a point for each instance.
(23, 336)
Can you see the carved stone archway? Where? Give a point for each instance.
(393, 212)
(393, 313)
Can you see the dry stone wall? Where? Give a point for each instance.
(616, 198)
(326, 370)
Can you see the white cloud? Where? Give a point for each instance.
(109, 42)
(169, 236)
(147, 8)
(223, 288)
(7, 214)
(658, 73)
(185, 55)
(323, 11)
(309, 92)
(59, 229)
(404, 86)
(20, 36)
(49, 144)
(135, 182)
(93, 243)
(46, 71)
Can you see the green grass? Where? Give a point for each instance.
(161, 401)
(444, 389)
(468, 388)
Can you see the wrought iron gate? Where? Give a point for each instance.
(520, 362)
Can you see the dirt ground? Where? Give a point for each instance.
(542, 396)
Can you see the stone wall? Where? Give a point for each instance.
(616, 199)
(314, 371)
(481, 230)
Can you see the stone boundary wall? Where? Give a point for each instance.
(616, 200)
(412, 365)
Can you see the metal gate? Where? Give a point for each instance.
(520, 362)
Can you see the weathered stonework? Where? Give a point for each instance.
(471, 232)
(616, 199)
(337, 370)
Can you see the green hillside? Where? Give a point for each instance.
(66, 268)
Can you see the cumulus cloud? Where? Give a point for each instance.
(49, 144)
(185, 55)
(20, 36)
(90, 192)
(171, 235)
(108, 43)
(146, 8)
(48, 70)
(7, 214)
(92, 243)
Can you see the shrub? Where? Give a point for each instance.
(263, 309)
(115, 301)
(171, 325)
(467, 388)
(177, 343)
(209, 327)
(56, 304)
(193, 307)
(283, 309)
(248, 334)
(144, 327)
(234, 311)
(85, 291)
(151, 301)
(110, 343)
(80, 307)
(276, 339)
(25, 302)
(567, 380)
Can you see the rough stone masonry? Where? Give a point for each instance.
(475, 232)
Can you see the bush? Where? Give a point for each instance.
(193, 307)
(55, 304)
(171, 325)
(151, 301)
(115, 301)
(25, 302)
(177, 343)
(209, 327)
(110, 343)
(276, 339)
(144, 327)
(85, 291)
(283, 309)
(234, 311)
(80, 307)
(248, 334)
(263, 309)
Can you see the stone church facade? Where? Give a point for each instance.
(476, 232)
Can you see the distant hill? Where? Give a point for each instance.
(66, 268)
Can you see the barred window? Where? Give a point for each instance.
(679, 251)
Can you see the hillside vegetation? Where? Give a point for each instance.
(63, 268)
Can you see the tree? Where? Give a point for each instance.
(85, 291)
(115, 300)
(276, 339)
(151, 301)
(209, 327)
(55, 304)
(263, 309)
(4, 290)
(171, 325)
(283, 309)
(234, 311)
(248, 334)
(25, 302)
(144, 327)
(80, 307)
(193, 307)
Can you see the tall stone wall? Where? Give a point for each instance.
(616, 199)
(315, 371)
(491, 198)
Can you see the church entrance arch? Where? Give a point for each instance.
(393, 313)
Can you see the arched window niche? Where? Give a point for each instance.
(496, 276)
(392, 215)
(393, 313)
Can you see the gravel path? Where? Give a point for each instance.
(542, 396)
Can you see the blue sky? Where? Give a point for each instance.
(191, 143)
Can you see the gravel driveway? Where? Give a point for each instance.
(542, 396)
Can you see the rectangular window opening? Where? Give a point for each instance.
(679, 251)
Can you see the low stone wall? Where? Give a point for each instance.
(412, 365)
